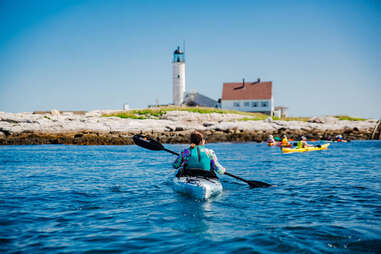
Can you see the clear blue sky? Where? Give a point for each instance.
(324, 57)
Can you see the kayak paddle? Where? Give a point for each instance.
(148, 143)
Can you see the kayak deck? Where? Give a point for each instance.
(197, 186)
(305, 149)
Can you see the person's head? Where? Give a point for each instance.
(271, 136)
(304, 138)
(197, 138)
(284, 136)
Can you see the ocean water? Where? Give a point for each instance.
(119, 199)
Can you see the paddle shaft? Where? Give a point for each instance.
(237, 177)
(172, 152)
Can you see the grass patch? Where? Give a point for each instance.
(301, 119)
(202, 110)
(349, 118)
(157, 113)
(126, 114)
(138, 114)
(254, 117)
(149, 113)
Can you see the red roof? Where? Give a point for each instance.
(247, 91)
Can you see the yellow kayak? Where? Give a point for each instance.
(306, 149)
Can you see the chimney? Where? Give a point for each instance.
(257, 82)
(243, 85)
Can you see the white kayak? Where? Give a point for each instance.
(199, 187)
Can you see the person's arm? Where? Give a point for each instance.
(181, 159)
(216, 166)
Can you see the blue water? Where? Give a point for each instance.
(115, 199)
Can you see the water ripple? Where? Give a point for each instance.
(118, 199)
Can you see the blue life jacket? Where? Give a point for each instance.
(199, 159)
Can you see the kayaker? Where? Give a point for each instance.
(339, 138)
(302, 143)
(271, 140)
(284, 142)
(198, 157)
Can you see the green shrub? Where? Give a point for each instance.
(149, 112)
(345, 117)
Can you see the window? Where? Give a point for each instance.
(235, 104)
(264, 103)
(254, 104)
(246, 104)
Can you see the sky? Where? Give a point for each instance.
(323, 57)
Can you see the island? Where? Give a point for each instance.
(172, 125)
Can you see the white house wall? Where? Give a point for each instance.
(230, 104)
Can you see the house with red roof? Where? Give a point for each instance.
(248, 96)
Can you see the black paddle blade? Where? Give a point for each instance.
(148, 143)
(258, 184)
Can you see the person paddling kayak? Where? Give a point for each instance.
(284, 142)
(271, 140)
(339, 138)
(197, 158)
(303, 143)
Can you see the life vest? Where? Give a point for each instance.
(284, 141)
(198, 159)
(300, 144)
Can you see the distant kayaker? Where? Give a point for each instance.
(302, 143)
(198, 157)
(284, 142)
(271, 139)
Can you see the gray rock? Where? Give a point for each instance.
(268, 120)
(315, 119)
(169, 128)
(54, 112)
(323, 119)
(208, 124)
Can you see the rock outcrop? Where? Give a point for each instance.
(174, 127)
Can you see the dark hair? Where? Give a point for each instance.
(196, 137)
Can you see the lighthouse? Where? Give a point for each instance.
(178, 76)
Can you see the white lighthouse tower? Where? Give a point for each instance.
(178, 76)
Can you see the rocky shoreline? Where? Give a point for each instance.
(92, 128)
